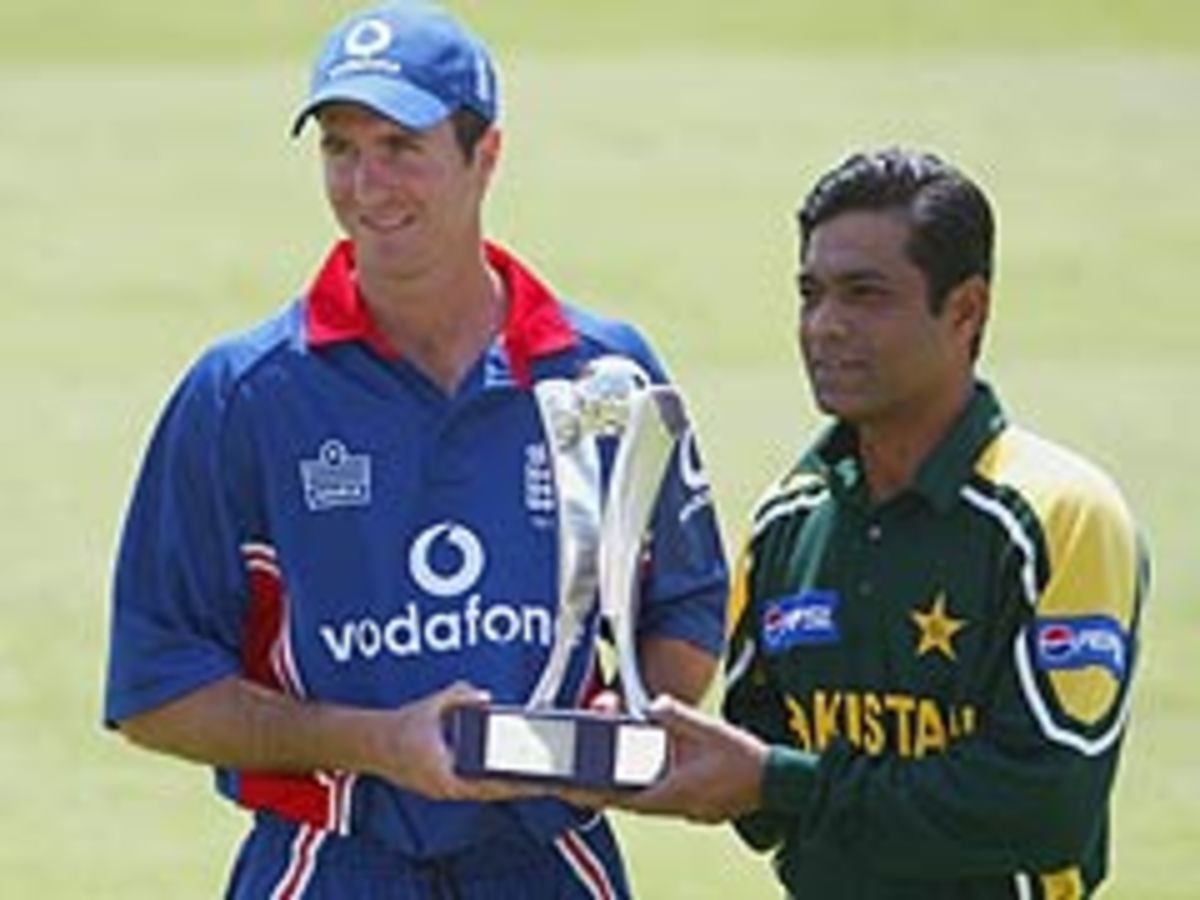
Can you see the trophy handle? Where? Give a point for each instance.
(576, 465)
(657, 420)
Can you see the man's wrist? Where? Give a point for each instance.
(789, 778)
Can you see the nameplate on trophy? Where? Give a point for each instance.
(582, 749)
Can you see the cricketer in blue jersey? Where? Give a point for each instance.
(345, 523)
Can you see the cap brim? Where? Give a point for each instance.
(400, 101)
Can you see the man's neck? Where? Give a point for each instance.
(893, 450)
(442, 320)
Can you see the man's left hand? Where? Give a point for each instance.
(714, 774)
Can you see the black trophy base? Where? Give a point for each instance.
(565, 747)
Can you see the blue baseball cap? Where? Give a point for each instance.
(409, 61)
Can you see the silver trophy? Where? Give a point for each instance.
(602, 532)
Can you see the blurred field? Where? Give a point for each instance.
(150, 201)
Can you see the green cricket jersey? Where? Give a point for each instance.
(944, 677)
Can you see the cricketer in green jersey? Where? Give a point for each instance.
(935, 622)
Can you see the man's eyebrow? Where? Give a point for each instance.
(399, 131)
(844, 275)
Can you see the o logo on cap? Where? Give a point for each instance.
(368, 37)
(453, 583)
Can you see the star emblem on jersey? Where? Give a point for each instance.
(937, 628)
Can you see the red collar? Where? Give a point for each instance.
(534, 324)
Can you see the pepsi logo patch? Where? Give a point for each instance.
(1077, 642)
(804, 619)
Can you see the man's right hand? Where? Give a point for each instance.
(236, 724)
(715, 772)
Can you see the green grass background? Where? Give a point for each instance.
(150, 202)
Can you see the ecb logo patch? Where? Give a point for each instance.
(1080, 641)
(540, 501)
(804, 619)
(336, 478)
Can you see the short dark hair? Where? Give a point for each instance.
(469, 127)
(952, 226)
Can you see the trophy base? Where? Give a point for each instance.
(565, 747)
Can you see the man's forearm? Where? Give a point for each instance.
(676, 667)
(237, 724)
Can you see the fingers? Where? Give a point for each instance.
(488, 790)
(607, 702)
(589, 799)
(460, 693)
(681, 720)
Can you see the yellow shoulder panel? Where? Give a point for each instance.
(1066, 884)
(1092, 545)
(739, 592)
(783, 496)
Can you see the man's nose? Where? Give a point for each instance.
(371, 178)
(827, 320)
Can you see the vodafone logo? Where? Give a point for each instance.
(446, 560)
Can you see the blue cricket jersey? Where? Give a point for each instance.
(316, 515)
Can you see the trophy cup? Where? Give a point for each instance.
(601, 536)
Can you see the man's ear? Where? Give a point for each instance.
(487, 151)
(967, 310)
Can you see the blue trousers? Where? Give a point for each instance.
(283, 861)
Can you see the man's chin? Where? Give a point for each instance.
(397, 256)
(838, 405)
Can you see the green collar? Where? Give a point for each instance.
(940, 476)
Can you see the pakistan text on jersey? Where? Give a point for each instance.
(875, 722)
(413, 631)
